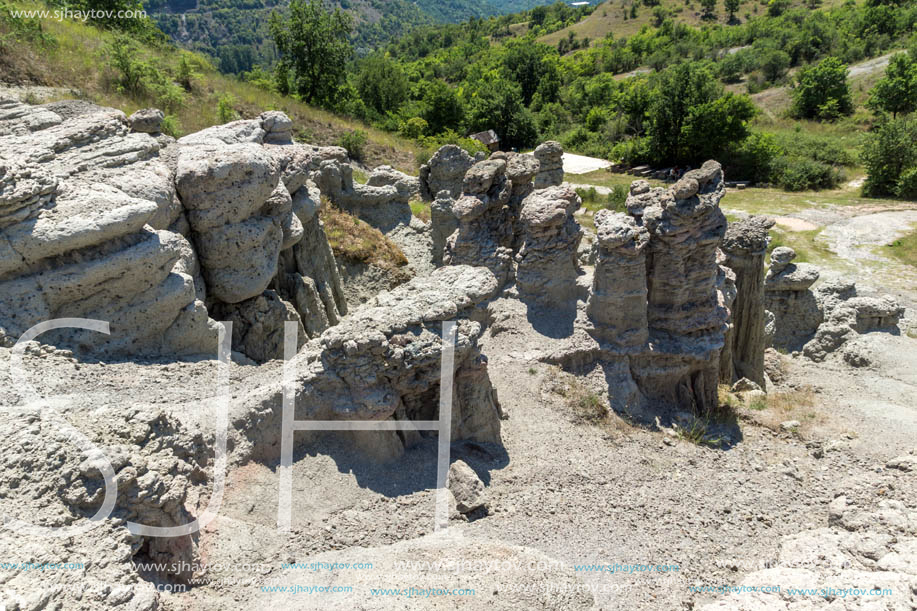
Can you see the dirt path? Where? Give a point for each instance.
(580, 164)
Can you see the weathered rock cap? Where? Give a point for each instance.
(616, 230)
(781, 257)
(786, 276)
(521, 168)
(278, 127)
(549, 206)
(147, 121)
(481, 176)
(550, 150)
(749, 236)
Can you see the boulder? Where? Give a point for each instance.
(147, 121)
(551, 164)
(466, 487)
(445, 171)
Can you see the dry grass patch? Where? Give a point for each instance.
(357, 241)
(781, 406)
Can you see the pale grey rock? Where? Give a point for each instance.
(277, 126)
(687, 325)
(744, 246)
(551, 164)
(745, 385)
(258, 325)
(408, 187)
(147, 120)
(77, 199)
(445, 171)
(787, 295)
(466, 487)
(546, 264)
(383, 361)
(617, 301)
(485, 234)
(237, 228)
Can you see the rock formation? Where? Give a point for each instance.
(787, 295)
(445, 171)
(820, 320)
(744, 247)
(551, 164)
(383, 362)
(546, 263)
(617, 300)
(485, 233)
(84, 208)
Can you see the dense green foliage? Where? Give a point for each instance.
(890, 156)
(821, 91)
(897, 91)
(314, 49)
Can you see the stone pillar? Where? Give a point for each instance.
(547, 262)
(550, 156)
(617, 301)
(744, 247)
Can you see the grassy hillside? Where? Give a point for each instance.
(78, 57)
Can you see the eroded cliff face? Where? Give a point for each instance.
(84, 209)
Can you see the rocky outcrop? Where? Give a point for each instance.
(551, 164)
(846, 319)
(485, 233)
(546, 263)
(786, 294)
(744, 247)
(442, 224)
(445, 171)
(383, 362)
(77, 199)
(820, 320)
(258, 325)
(408, 187)
(686, 323)
(146, 120)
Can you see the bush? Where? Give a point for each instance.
(225, 108)
(801, 174)
(170, 126)
(888, 154)
(415, 127)
(354, 142)
(907, 184)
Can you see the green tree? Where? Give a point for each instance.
(774, 64)
(888, 153)
(821, 91)
(497, 105)
(732, 7)
(896, 93)
(443, 108)
(534, 67)
(381, 83)
(691, 119)
(314, 48)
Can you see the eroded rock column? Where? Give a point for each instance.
(546, 262)
(744, 247)
(617, 301)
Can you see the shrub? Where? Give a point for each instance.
(354, 142)
(170, 126)
(801, 174)
(907, 184)
(415, 127)
(888, 154)
(225, 108)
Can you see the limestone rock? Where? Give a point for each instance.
(465, 486)
(443, 224)
(147, 120)
(408, 187)
(445, 171)
(796, 310)
(547, 265)
(485, 234)
(237, 228)
(551, 164)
